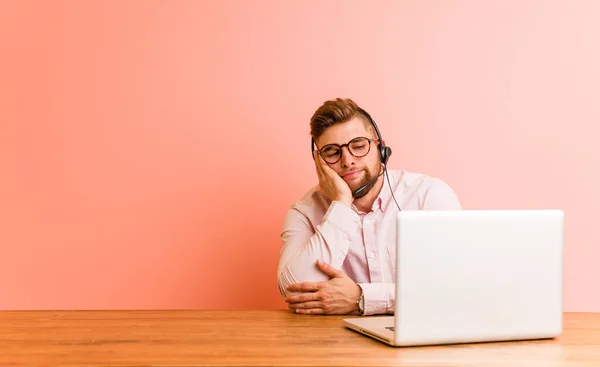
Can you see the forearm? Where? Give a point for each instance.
(329, 242)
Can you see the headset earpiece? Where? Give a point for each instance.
(384, 153)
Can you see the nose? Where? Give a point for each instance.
(347, 157)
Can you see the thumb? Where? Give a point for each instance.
(330, 270)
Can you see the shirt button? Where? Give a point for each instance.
(371, 255)
(367, 221)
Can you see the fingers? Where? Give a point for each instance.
(304, 305)
(304, 297)
(329, 270)
(311, 311)
(323, 166)
(304, 287)
(318, 163)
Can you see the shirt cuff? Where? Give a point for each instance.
(379, 298)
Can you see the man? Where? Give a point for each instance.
(338, 254)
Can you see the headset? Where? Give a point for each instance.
(384, 151)
(384, 155)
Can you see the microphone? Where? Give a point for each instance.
(357, 191)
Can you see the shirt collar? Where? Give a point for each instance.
(385, 197)
(382, 200)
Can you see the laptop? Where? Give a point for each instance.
(470, 276)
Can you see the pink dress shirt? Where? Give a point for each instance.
(363, 245)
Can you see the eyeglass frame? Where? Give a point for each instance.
(349, 150)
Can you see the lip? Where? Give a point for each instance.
(351, 175)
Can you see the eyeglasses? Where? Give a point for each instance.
(358, 147)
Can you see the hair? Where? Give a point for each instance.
(334, 112)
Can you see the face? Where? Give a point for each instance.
(355, 171)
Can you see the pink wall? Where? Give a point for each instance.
(149, 150)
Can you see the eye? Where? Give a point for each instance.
(331, 151)
(358, 144)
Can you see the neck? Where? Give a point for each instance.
(365, 203)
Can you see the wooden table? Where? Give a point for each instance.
(257, 338)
